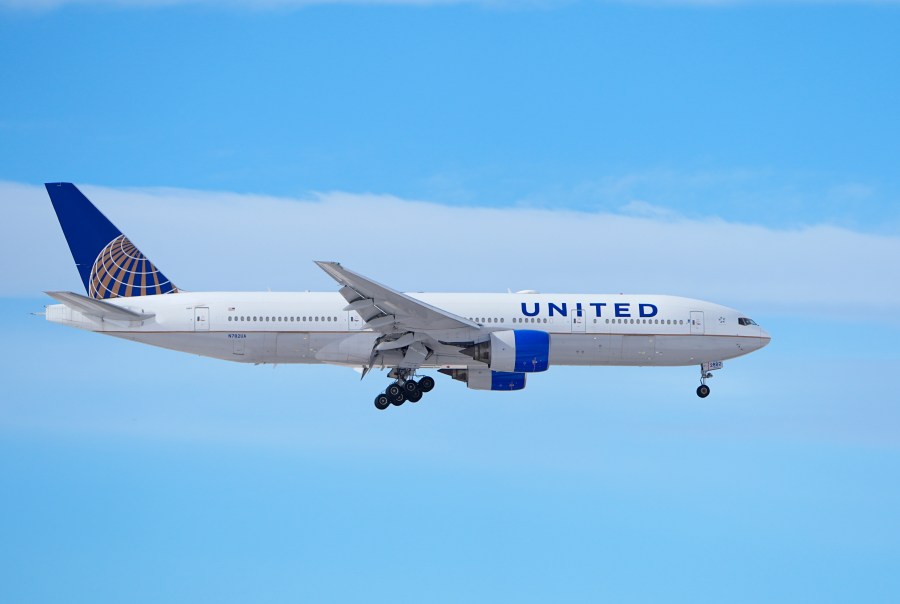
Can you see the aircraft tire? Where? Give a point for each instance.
(414, 397)
(426, 384)
(703, 391)
(399, 399)
(410, 386)
(393, 390)
(382, 402)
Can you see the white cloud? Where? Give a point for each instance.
(648, 210)
(224, 241)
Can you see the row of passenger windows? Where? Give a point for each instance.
(646, 321)
(260, 319)
(616, 321)
(322, 319)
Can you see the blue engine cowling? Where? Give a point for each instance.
(516, 350)
(485, 379)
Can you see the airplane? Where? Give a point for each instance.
(489, 341)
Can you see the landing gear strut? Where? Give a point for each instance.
(404, 389)
(705, 374)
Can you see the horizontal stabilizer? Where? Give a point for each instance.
(98, 308)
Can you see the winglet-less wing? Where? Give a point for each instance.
(386, 310)
(97, 308)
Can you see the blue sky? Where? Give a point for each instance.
(741, 152)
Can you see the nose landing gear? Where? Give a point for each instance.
(706, 370)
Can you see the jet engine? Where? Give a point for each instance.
(485, 379)
(517, 350)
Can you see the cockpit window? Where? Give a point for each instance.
(746, 321)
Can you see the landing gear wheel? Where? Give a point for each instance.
(426, 384)
(415, 397)
(703, 391)
(382, 402)
(399, 399)
(410, 386)
(393, 390)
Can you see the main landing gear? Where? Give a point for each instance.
(404, 389)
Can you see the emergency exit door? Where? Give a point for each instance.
(201, 318)
(577, 322)
(697, 323)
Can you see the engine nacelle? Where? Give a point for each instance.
(485, 379)
(518, 350)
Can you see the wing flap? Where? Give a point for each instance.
(387, 310)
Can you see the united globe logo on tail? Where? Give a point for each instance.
(122, 271)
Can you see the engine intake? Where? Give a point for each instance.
(517, 350)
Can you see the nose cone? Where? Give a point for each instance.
(764, 338)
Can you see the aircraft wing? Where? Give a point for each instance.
(97, 308)
(386, 310)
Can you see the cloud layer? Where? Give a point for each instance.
(227, 241)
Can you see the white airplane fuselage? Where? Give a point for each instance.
(314, 327)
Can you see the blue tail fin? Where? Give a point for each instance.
(109, 264)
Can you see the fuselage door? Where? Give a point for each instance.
(201, 318)
(697, 323)
(354, 320)
(577, 322)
